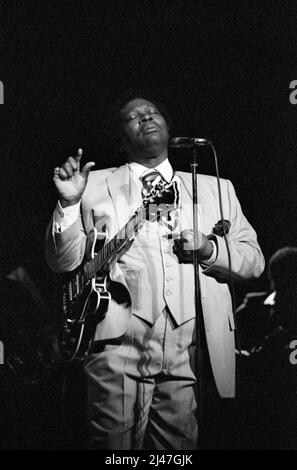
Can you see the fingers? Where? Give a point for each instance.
(184, 247)
(72, 165)
(184, 256)
(187, 239)
(187, 235)
(67, 169)
(187, 242)
(86, 169)
(78, 156)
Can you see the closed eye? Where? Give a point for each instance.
(133, 116)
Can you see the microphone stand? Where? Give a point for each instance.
(198, 309)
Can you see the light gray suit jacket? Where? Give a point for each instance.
(105, 204)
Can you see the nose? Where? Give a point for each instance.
(145, 117)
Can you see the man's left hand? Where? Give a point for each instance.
(184, 247)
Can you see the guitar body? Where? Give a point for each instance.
(85, 297)
(83, 306)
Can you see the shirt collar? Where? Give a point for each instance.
(164, 168)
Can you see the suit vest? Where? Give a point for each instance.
(153, 274)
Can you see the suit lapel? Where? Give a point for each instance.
(118, 184)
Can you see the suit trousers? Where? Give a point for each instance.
(142, 388)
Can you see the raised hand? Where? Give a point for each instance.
(70, 180)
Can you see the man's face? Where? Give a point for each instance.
(145, 131)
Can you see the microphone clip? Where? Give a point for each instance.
(188, 142)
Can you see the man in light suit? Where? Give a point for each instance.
(141, 377)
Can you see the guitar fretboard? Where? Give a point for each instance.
(162, 199)
(111, 251)
(167, 194)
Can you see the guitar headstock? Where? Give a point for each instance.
(162, 199)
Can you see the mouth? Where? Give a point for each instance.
(149, 130)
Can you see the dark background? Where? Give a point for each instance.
(222, 68)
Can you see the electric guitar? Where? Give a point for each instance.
(85, 296)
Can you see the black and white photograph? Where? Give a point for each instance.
(148, 266)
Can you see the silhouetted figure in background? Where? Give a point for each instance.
(269, 372)
(254, 318)
(30, 387)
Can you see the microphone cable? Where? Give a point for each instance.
(231, 282)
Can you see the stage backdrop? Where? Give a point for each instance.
(226, 71)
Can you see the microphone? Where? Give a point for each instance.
(187, 142)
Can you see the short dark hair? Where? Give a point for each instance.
(114, 122)
(282, 268)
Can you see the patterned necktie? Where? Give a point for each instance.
(149, 180)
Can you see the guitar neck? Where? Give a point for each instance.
(163, 198)
(112, 250)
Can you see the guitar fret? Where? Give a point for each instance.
(89, 269)
(121, 235)
(78, 282)
(105, 251)
(129, 229)
(69, 290)
(136, 222)
(73, 286)
(113, 243)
